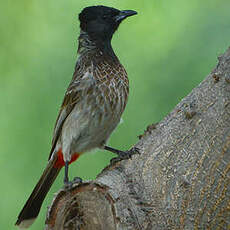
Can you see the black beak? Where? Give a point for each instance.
(124, 14)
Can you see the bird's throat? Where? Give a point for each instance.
(88, 44)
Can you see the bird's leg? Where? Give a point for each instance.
(66, 177)
(68, 184)
(122, 155)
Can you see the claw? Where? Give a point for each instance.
(68, 185)
(77, 180)
(135, 150)
(125, 155)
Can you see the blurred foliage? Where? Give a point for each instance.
(167, 49)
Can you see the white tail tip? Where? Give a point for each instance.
(26, 223)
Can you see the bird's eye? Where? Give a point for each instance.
(105, 16)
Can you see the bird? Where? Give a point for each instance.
(92, 106)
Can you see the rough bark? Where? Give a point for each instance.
(181, 179)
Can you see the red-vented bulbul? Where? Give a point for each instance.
(92, 106)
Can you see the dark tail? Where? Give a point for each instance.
(32, 207)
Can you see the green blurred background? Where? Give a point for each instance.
(167, 49)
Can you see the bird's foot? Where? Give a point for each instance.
(77, 180)
(69, 184)
(124, 155)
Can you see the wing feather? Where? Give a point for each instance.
(79, 84)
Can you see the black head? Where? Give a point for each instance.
(100, 22)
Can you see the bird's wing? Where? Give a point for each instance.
(73, 95)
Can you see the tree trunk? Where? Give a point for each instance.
(181, 179)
